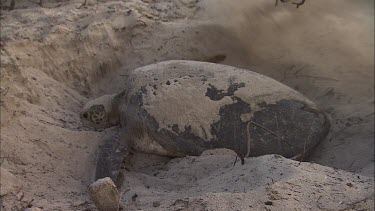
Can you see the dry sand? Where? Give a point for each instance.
(53, 60)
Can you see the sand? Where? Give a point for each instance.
(57, 58)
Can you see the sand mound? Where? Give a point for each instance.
(53, 60)
(213, 182)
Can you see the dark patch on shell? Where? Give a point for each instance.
(293, 122)
(203, 78)
(175, 128)
(262, 104)
(230, 130)
(215, 94)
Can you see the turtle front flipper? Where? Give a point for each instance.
(111, 157)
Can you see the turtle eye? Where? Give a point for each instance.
(85, 115)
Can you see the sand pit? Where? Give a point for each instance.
(55, 59)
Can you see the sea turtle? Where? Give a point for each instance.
(179, 108)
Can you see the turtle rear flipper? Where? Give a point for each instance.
(111, 157)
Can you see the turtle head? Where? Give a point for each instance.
(100, 113)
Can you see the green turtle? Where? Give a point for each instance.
(179, 108)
